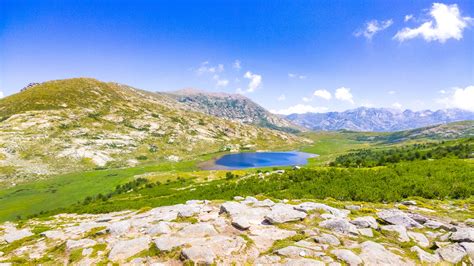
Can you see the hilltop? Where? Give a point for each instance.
(233, 107)
(78, 124)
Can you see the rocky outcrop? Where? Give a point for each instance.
(245, 231)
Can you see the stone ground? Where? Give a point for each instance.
(246, 231)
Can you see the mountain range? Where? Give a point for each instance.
(378, 119)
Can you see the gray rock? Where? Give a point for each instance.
(309, 245)
(119, 228)
(123, 250)
(282, 213)
(418, 217)
(424, 256)
(397, 217)
(400, 230)
(469, 222)
(375, 254)
(296, 252)
(437, 225)
(420, 239)
(463, 235)
(159, 228)
(339, 225)
(198, 255)
(352, 207)
(365, 222)
(453, 253)
(327, 239)
(167, 243)
(238, 198)
(264, 203)
(14, 235)
(81, 243)
(198, 230)
(54, 234)
(366, 232)
(469, 247)
(250, 200)
(347, 256)
(311, 206)
(408, 203)
(241, 223)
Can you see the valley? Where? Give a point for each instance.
(88, 168)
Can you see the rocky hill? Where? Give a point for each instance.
(378, 119)
(77, 124)
(250, 231)
(233, 107)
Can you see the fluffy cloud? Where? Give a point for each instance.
(322, 94)
(296, 76)
(255, 81)
(460, 98)
(392, 92)
(373, 27)
(344, 94)
(1, 94)
(205, 68)
(281, 97)
(306, 99)
(445, 23)
(237, 64)
(408, 17)
(300, 109)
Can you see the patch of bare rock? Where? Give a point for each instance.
(240, 232)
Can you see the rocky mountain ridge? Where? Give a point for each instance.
(234, 107)
(378, 119)
(249, 231)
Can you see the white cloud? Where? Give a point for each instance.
(301, 109)
(373, 27)
(255, 81)
(281, 97)
(323, 94)
(237, 64)
(397, 105)
(205, 68)
(392, 92)
(306, 99)
(220, 82)
(296, 76)
(344, 94)
(1, 94)
(445, 23)
(460, 98)
(442, 91)
(408, 17)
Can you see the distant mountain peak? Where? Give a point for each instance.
(378, 119)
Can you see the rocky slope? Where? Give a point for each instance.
(233, 107)
(77, 124)
(378, 119)
(250, 231)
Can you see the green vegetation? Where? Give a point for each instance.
(461, 149)
(438, 179)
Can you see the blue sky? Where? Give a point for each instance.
(289, 56)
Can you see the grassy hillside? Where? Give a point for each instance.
(82, 124)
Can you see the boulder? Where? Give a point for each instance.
(327, 239)
(264, 203)
(365, 222)
(119, 228)
(437, 225)
(198, 230)
(420, 239)
(296, 252)
(199, 255)
(282, 213)
(469, 247)
(123, 250)
(463, 235)
(81, 243)
(14, 235)
(424, 256)
(311, 206)
(339, 225)
(159, 228)
(397, 217)
(418, 217)
(347, 256)
(408, 203)
(54, 234)
(366, 232)
(452, 253)
(400, 230)
(303, 262)
(375, 254)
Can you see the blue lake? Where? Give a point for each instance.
(260, 159)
